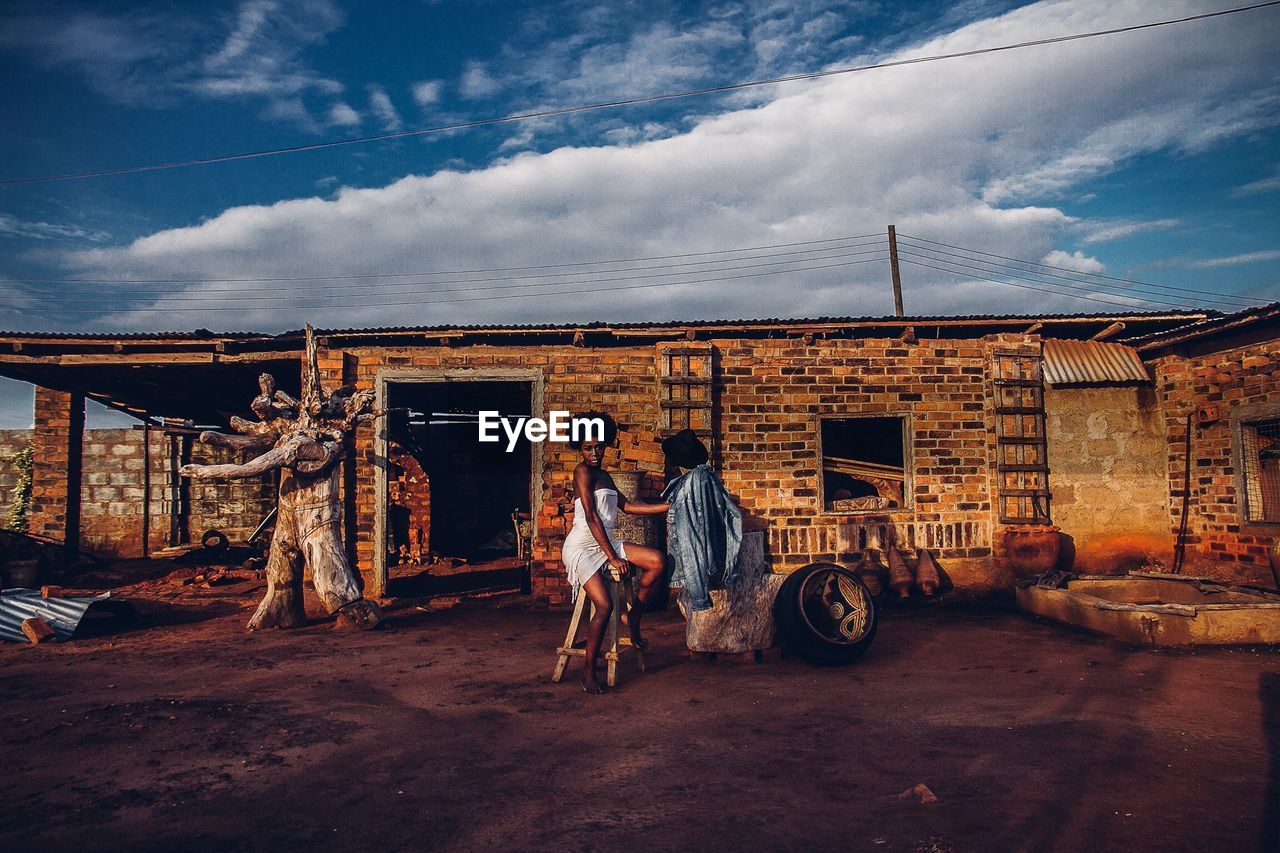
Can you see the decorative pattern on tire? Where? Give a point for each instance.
(825, 614)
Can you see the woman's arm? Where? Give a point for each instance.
(633, 508)
(582, 488)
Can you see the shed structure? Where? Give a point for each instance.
(833, 433)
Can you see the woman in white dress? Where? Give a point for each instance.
(591, 545)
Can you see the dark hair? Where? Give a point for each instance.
(610, 428)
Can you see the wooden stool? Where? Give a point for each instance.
(614, 646)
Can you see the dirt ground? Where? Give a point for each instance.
(444, 731)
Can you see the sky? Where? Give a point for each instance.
(1137, 170)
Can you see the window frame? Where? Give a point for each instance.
(1242, 416)
(908, 463)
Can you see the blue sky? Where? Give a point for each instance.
(1149, 156)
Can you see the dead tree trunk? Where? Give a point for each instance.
(305, 439)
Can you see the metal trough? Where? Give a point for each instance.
(1160, 610)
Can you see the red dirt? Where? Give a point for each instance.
(444, 731)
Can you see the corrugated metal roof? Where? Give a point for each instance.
(205, 334)
(1208, 326)
(62, 614)
(1091, 363)
(919, 320)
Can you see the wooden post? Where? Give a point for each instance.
(75, 470)
(897, 277)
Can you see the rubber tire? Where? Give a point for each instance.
(795, 632)
(215, 540)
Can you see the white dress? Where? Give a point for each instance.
(581, 553)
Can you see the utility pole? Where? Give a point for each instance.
(897, 277)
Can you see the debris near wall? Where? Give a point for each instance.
(25, 613)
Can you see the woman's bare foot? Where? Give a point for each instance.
(631, 620)
(590, 685)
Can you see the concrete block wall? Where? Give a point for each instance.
(1220, 543)
(95, 478)
(112, 489)
(11, 442)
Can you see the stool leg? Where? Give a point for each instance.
(570, 639)
(633, 602)
(611, 642)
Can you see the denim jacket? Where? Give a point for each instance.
(704, 532)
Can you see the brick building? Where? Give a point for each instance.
(833, 434)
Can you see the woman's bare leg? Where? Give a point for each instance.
(595, 590)
(649, 563)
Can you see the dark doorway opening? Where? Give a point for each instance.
(453, 501)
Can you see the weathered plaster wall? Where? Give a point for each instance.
(1107, 476)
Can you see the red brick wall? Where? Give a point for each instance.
(770, 394)
(55, 470)
(1219, 543)
(410, 488)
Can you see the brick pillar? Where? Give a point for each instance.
(57, 453)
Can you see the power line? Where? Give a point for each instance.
(482, 298)
(1023, 286)
(1055, 286)
(1091, 286)
(275, 296)
(1246, 299)
(442, 272)
(624, 102)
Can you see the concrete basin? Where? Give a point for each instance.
(1160, 610)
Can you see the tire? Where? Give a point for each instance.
(825, 614)
(215, 540)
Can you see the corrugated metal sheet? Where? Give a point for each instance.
(1091, 363)
(924, 319)
(62, 614)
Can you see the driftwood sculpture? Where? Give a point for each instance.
(303, 439)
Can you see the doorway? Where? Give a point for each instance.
(451, 505)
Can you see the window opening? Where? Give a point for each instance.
(864, 464)
(1260, 449)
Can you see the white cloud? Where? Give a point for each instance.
(1104, 231)
(1075, 261)
(427, 92)
(342, 114)
(921, 146)
(11, 226)
(157, 58)
(1236, 260)
(477, 82)
(1263, 185)
(380, 104)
